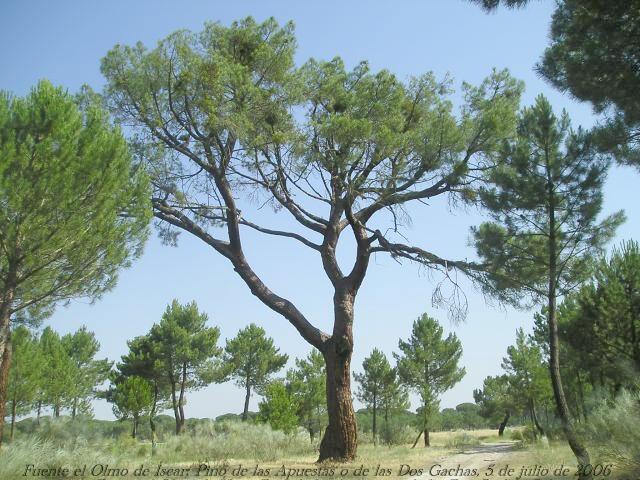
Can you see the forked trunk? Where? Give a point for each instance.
(503, 425)
(340, 437)
(534, 417)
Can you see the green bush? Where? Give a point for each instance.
(394, 434)
(461, 441)
(614, 429)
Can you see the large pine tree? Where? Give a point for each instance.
(545, 198)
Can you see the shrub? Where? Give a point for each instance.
(461, 441)
(614, 429)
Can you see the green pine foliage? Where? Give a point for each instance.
(279, 408)
(307, 382)
(428, 365)
(132, 398)
(250, 359)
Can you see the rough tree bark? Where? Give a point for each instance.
(340, 436)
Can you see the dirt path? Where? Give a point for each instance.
(472, 462)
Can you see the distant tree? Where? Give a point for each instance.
(395, 397)
(87, 372)
(58, 373)
(250, 359)
(25, 375)
(527, 376)
(470, 413)
(341, 151)
(307, 383)
(141, 361)
(545, 198)
(495, 401)
(186, 350)
(372, 382)
(73, 211)
(593, 56)
(450, 419)
(132, 398)
(428, 364)
(279, 407)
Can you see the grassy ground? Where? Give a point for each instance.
(217, 450)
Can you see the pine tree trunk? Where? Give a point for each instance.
(247, 397)
(427, 439)
(417, 438)
(5, 356)
(534, 416)
(181, 398)
(554, 348)
(135, 427)
(503, 425)
(375, 430)
(152, 414)
(174, 403)
(340, 437)
(39, 411)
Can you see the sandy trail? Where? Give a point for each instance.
(460, 466)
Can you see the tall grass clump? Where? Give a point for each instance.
(462, 441)
(219, 441)
(44, 453)
(614, 429)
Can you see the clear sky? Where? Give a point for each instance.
(64, 41)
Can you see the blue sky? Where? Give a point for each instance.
(63, 41)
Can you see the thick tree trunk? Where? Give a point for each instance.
(503, 425)
(427, 439)
(340, 437)
(247, 397)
